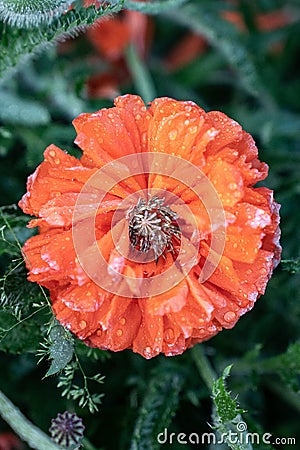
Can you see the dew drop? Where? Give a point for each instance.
(52, 153)
(82, 324)
(193, 130)
(99, 332)
(173, 135)
(57, 161)
(169, 335)
(119, 332)
(229, 316)
(232, 186)
(147, 351)
(122, 321)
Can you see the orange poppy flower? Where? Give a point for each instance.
(116, 245)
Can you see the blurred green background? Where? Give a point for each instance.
(239, 57)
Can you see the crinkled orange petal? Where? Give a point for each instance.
(172, 300)
(227, 181)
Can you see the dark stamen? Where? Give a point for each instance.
(152, 226)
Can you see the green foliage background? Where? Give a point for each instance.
(252, 76)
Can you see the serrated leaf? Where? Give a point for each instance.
(157, 409)
(18, 45)
(24, 13)
(227, 407)
(61, 349)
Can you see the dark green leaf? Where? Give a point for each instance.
(18, 45)
(60, 350)
(226, 407)
(24, 13)
(291, 265)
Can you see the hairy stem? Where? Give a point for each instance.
(28, 432)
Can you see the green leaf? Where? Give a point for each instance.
(291, 265)
(227, 419)
(157, 409)
(153, 7)
(24, 13)
(18, 45)
(17, 110)
(60, 350)
(226, 407)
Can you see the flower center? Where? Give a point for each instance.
(152, 226)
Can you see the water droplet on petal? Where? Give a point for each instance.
(229, 316)
(193, 130)
(169, 334)
(122, 321)
(119, 332)
(147, 352)
(173, 135)
(82, 324)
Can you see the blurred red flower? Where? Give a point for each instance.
(110, 37)
(9, 441)
(193, 45)
(188, 312)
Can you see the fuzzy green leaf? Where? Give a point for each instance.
(24, 13)
(157, 409)
(227, 419)
(18, 45)
(60, 350)
(227, 408)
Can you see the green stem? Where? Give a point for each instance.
(87, 445)
(203, 365)
(140, 75)
(28, 432)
